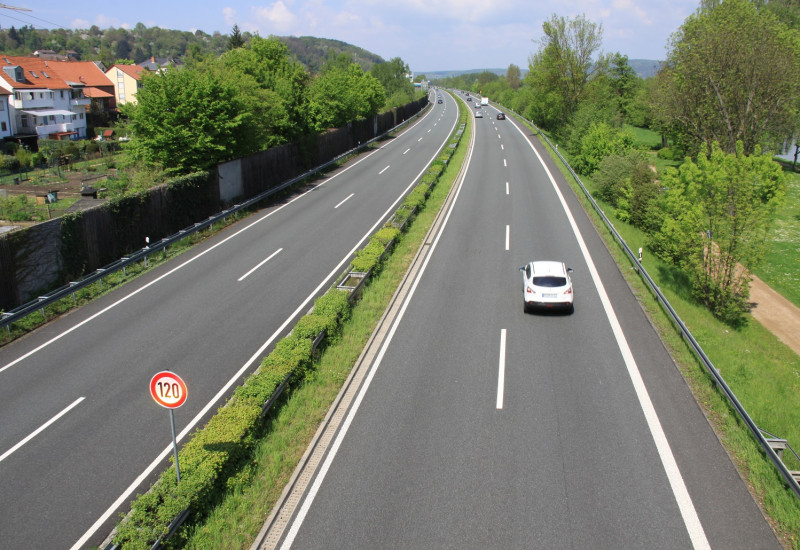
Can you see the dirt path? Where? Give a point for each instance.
(776, 313)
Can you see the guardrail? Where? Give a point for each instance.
(768, 448)
(38, 304)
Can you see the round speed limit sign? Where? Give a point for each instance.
(168, 389)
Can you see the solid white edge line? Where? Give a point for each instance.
(40, 429)
(501, 370)
(346, 199)
(323, 470)
(262, 262)
(167, 450)
(181, 266)
(679, 490)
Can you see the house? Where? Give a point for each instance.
(40, 103)
(91, 77)
(156, 64)
(127, 80)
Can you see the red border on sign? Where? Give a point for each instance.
(164, 374)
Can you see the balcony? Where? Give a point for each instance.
(36, 103)
(80, 101)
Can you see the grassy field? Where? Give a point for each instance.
(762, 372)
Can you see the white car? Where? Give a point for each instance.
(478, 114)
(547, 285)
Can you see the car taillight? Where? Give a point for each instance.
(568, 291)
(529, 290)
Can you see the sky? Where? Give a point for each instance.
(429, 35)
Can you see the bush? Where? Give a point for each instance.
(628, 184)
(9, 163)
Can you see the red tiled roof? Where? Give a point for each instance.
(134, 71)
(96, 92)
(37, 74)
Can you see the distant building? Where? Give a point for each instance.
(127, 80)
(156, 64)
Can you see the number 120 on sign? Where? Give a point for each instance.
(168, 389)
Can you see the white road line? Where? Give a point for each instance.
(262, 262)
(181, 266)
(158, 461)
(505, 162)
(420, 139)
(508, 236)
(507, 188)
(384, 170)
(345, 200)
(407, 150)
(39, 430)
(429, 130)
(501, 371)
(334, 448)
(690, 518)
(502, 147)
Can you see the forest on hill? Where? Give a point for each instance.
(141, 43)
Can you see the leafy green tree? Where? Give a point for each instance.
(627, 183)
(340, 95)
(514, 77)
(267, 60)
(393, 76)
(733, 74)
(599, 142)
(562, 68)
(714, 220)
(188, 120)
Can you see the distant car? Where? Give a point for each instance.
(501, 116)
(547, 285)
(439, 100)
(478, 114)
(469, 98)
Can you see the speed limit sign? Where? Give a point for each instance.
(168, 389)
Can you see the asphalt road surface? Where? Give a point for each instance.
(480, 426)
(80, 434)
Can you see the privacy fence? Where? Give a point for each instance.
(46, 256)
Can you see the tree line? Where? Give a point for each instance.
(727, 94)
(254, 96)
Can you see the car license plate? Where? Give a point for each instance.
(549, 295)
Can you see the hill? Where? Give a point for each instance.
(645, 68)
(313, 52)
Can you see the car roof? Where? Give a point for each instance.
(544, 267)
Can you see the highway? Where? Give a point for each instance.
(480, 426)
(80, 434)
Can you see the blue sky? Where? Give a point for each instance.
(429, 35)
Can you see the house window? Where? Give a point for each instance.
(121, 95)
(3, 126)
(62, 94)
(81, 116)
(17, 96)
(34, 74)
(24, 120)
(31, 96)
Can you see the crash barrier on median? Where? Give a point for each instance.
(216, 452)
(69, 247)
(790, 478)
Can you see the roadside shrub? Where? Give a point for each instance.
(598, 143)
(367, 258)
(629, 185)
(9, 163)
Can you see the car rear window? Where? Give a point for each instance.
(549, 281)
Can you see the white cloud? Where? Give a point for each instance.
(276, 17)
(229, 14)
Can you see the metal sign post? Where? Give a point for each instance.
(169, 391)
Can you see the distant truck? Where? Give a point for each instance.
(484, 101)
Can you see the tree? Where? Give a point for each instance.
(341, 95)
(733, 74)
(514, 77)
(236, 39)
(188, 120)
(563, 65)
(714, 219)
(393, 76)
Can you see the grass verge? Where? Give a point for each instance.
(763, 373)
(251, 496)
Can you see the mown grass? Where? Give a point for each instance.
(762, 372)
(781, 267)
(235, 523)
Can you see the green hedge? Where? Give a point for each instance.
(214, 453)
